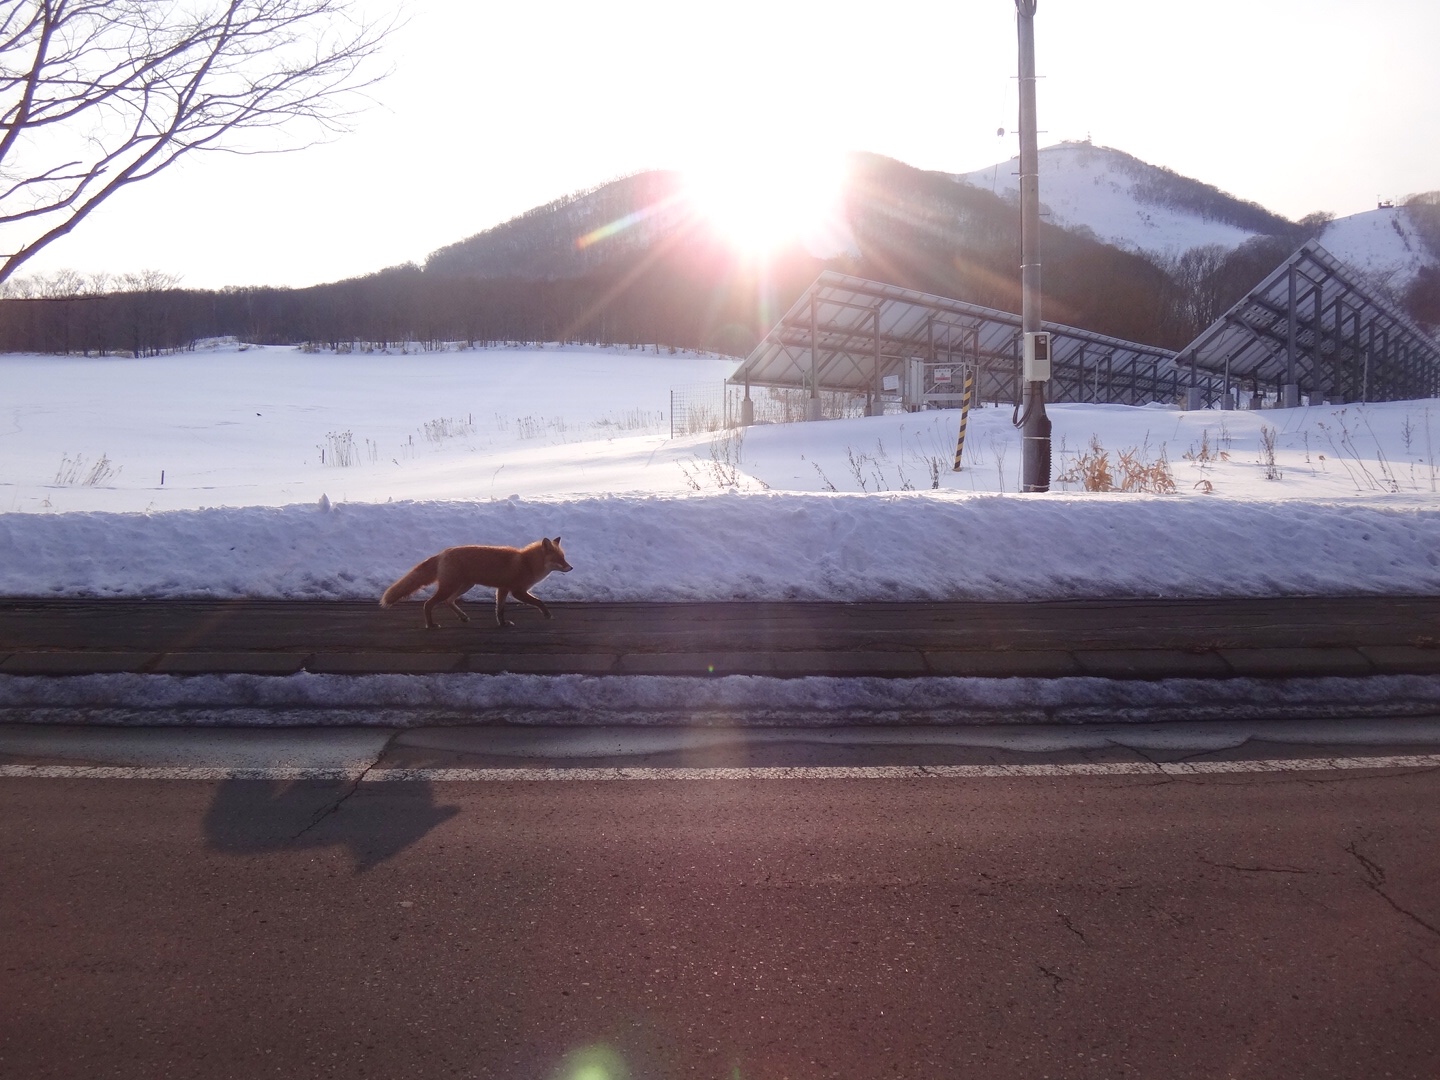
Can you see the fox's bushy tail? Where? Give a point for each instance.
(423, 574)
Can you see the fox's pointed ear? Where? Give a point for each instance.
(557, 540)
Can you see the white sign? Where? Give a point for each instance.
(944, 374)
(890, 382)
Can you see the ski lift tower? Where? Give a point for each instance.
(1035, 371)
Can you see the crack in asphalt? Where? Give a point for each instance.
(355, 783)
(1072, 927)
(1373, 870)
(1256, 869)
(1204, 753)
(1317, 779)
(1406, 911)
(1375, 879)
(1163, 776)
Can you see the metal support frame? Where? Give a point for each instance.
(876, 407)
(812, 404)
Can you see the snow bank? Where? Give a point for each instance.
(750, 546)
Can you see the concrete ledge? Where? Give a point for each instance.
(76, 663)
(539, 663)
(1402, 659)
(794, 664)
(877, 664)
(1028, 664)
(1119, 664)
(1297, 663)
(230, 663)
(389, 663)
(1151, 664)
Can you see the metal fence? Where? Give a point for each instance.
(707, 407)
(699, 408)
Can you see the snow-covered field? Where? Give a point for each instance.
(272, 472)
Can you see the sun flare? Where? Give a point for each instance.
(757, 208)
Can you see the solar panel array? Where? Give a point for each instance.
(1316, 323)
(849, 333)
(1313, 323)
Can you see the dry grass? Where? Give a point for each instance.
(73, 471)
(1091, 469)
(1137, 474)
(1268, 436)
(1132, 471)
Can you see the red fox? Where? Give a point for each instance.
(507, 570)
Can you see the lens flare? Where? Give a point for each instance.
(598, 1062)
(604, 232)
(759, 206)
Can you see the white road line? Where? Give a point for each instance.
(816, 772)
(173, 772)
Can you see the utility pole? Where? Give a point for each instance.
(1035, 425)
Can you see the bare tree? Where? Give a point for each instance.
(99, 94)
(1199, 273)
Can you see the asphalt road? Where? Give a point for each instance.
(1236, 925)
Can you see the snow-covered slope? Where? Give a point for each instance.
(1119, 199)
(1382, 243)
(1140, 207)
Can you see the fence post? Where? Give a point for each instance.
(964, 414)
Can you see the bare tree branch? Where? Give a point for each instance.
(99, 94)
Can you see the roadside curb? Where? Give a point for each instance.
(1115, 664)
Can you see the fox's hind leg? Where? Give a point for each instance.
(447, 593)
(500, 619)
(454, 603)
(428, 607)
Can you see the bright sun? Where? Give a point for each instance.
(757, 209)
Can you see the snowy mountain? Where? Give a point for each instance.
(1384, 243)
(1139, 207)
(1121, 200)
(637, 260)
(1130, 250)
(574, 234)
(636, 245)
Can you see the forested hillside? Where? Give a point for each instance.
(626, 263)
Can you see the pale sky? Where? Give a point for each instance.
(1299, 105)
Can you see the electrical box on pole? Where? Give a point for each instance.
(1037, 356)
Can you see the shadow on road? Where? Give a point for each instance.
(250, 817)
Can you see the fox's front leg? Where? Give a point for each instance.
(533, 601)
(500, 620)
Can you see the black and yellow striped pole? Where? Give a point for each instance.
(964, 413)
